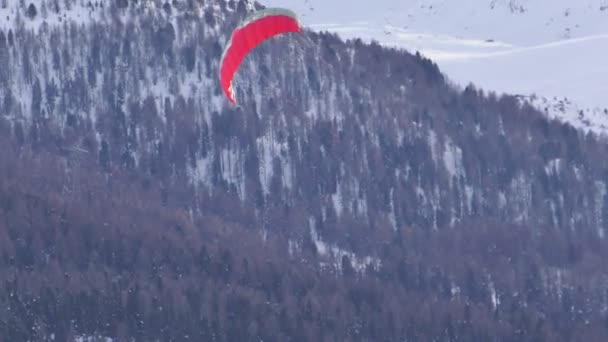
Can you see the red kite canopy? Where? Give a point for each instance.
(257, 28)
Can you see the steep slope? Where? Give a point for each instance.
(149, 101)
(402, 148)
(346, 158)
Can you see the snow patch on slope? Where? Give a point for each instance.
(335, 253)
(269, 150)
(594, 119)
(452, 158)
(232, 168)
(599, 207)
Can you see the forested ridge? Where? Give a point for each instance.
(354, 195)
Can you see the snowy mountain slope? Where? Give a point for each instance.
(559, 70)
(514, 21)
(554, 49)
(502, 67)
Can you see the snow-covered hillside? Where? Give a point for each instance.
(554, 49)
(518, 22)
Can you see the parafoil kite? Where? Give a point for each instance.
(255, 29)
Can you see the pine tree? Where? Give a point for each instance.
(32, 11)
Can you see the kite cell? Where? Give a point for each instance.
(255, 29)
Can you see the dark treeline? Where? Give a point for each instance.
(120, 264)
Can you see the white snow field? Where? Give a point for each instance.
(554, 49)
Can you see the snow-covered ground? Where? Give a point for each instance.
(556, 49)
